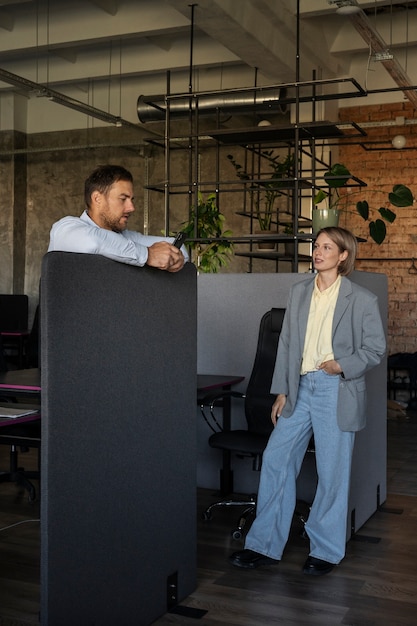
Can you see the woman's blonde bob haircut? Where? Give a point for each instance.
(344, 240)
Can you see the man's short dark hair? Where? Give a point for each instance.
(103, 177)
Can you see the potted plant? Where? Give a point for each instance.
(336, 178)
(266, 190)
(209, 256)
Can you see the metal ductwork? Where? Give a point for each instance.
(153, 108)
(378, 46)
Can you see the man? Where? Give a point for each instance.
(102, 228)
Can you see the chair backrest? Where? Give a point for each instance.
(259, 400)
(13, 312)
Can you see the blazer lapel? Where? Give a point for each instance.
(342, 302)
(304, 309)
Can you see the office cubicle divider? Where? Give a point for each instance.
(228, 347)
(118, 487)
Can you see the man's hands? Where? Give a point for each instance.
(277, 407)
(165, 256)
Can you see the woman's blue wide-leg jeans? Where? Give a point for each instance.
(314, 413)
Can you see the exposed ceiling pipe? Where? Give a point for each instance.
(39, 90)
(152, 108)
(139, 148)
(377, 44)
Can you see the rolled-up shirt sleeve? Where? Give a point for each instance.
(74, 234)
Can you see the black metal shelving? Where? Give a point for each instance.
(301, 139)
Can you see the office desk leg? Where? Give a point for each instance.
(226, 473)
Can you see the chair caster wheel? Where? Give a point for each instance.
(206, 516)
(237, 534)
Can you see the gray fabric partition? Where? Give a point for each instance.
(118, 440)
(230, 307)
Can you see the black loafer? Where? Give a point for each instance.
(317, 567)
(249, 559)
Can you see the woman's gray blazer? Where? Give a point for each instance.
(358, 345)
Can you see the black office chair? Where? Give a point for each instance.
(21, 437)
(258, 403)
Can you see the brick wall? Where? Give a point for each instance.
(381, 169)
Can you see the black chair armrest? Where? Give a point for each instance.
(212, 400)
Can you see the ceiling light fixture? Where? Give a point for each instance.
(383, 56)
(346, 7)
(399, 142)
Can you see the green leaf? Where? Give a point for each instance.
(401, 196)
(337, 176)
(320, 196)
(378, 231)
(211, 255)
(362, 208)
(387, 214)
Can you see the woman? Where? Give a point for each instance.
(332, 334)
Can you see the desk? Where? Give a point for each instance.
(207, 383)
(16, 421)
(30, 380)
(21, 382)
(27, 382)
(210, 382)
(24, 430)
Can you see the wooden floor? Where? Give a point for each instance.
(375, 585)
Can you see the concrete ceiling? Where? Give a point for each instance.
(102, 51)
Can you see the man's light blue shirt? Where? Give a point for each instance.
(81, 234)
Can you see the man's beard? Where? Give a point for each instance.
(113, 225)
